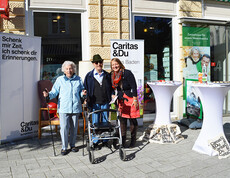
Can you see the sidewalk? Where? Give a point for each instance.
(35, 158)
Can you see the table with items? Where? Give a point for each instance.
(212, 140)
(162, 130)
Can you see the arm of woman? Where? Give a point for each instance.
(83, 91)
(55, 89)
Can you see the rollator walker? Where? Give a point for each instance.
(104, 132)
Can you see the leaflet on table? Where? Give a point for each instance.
(212, 84)
(165, 82)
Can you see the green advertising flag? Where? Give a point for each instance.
(195, 36)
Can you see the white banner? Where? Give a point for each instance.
(131, 53)
(19, 73)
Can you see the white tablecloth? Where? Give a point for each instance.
(163, 92)
(163, 131)
(212, 98)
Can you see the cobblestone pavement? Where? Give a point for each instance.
(35, 158)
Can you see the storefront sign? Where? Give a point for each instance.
(19, 73)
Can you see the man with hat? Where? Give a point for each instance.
(99, 89)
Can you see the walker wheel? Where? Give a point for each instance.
(122, 153)
(91, 156)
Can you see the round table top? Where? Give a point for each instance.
(211, 84)
(164, 83)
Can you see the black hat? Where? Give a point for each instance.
(97, 58)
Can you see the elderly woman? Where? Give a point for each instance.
(192, 63)
(124, 84)
(69, 89)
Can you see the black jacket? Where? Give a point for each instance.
(129, 86)
(89, 86)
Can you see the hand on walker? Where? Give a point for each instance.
(84, 92)
(45, 93)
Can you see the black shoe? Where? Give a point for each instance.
(132, 143)
(64, 152)
(74, 149)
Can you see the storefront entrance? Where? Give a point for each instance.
(61, 41)
(157, 34)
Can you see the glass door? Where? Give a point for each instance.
(220, 55)
(157, 34)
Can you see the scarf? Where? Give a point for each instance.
(116, 78)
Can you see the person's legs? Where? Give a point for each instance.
(64, 129)
(95, 117)
(133, 129)
(105, 115)
(123, 122)
(95, 120)
(73, 129)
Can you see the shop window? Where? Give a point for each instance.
(157, 35)
(61, 41)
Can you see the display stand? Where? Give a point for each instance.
(212, 98)
(163, 131)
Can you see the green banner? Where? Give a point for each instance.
(196, 36)
(224, 0)
(196, 50)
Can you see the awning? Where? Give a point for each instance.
(4, 9)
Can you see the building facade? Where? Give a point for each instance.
(77, 29)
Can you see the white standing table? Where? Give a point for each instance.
(163, 92)
(212, 98)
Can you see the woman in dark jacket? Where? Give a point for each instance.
(125, 87)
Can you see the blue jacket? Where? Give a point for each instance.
(89, 86)
(69, 92)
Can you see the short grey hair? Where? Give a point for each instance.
(66, 63)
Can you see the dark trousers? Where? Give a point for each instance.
(133, 127)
